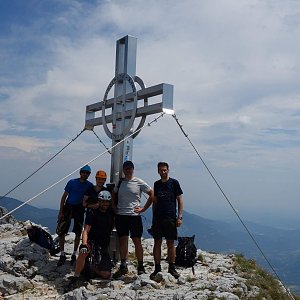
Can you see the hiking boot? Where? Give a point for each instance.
(122, 271)
(61, 261)
(173, 272)
(73, 259)
(141, 270)
(153, 275)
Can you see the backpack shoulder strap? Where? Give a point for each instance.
(119, 184)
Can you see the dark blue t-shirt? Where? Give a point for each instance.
(76, 189)
(166, 193)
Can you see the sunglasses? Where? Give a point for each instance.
(85, 172)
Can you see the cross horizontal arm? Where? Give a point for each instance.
(141, 94)
(145, 110)
(164, 89)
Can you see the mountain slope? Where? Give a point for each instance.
(281, 246)
(28, 272)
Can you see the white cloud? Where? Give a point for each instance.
(234, 64)
(22, 143)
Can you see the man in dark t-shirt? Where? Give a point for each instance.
(167, 196)
(97, 230)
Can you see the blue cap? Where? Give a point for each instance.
(86, 168)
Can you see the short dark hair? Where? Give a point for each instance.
(128, 163)
(162, 164)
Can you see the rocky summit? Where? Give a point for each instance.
(27, 271)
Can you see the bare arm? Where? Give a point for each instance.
(62, 203)
(150, 200)
(89, 205)
(180, 209)
(147, 204)
(85, 233)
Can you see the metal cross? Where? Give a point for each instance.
(123, 108)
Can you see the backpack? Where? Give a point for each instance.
(186, 252)
(43, 238)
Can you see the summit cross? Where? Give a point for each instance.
(123, 108)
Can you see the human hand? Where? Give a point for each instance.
(138, 209)
(178, 222)
(83, 248)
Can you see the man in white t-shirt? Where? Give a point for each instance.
(127, 205)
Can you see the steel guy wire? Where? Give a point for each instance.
(101, 142)
(234, 210)
(44, 164)
(96, 157)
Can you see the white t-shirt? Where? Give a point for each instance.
(129, 195)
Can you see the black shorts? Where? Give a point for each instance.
(75, 212)
(129, 224)
(164, 227)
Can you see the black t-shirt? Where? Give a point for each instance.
(93, 194)
(166, 193)
(101, 226)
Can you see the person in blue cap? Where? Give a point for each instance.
(71, 208)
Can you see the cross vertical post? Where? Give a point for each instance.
(122, 109)
(126, 49)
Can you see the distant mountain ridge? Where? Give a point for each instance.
(281, 246)
(44, 216)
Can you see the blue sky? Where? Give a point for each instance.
(235, 66)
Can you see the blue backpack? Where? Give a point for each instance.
(43, 238)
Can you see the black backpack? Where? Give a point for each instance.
(43, 238)
(186, 252)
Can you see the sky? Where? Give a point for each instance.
(235, 67)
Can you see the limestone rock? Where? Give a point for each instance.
(27, 271)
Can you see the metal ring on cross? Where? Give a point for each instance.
(140, 82)
(121, 100)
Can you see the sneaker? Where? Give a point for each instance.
(153, 275)
(73, 259)
(122, 271)
(173, 272)
(62, 260)
(141, 270)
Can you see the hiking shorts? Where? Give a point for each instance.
(164, 227)
(129, 224)
(71, 212)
